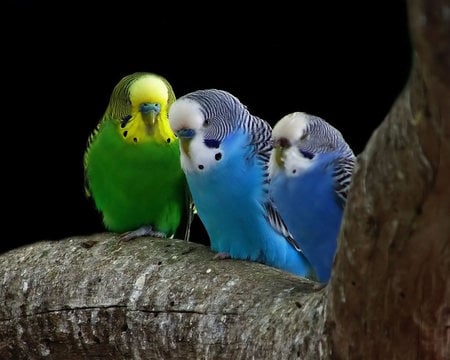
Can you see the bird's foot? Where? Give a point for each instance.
(320, 285)
(222, 256)
(142, 231)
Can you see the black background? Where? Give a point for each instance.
(345, 63)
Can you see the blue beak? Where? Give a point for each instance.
(149, 113)
(147, 108)
(186, 133)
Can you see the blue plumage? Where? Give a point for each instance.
(310, 171)
(224, 153)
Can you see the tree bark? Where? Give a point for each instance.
(390, 290)
(94, 297)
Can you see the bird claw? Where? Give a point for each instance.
(222, 256)
(320, 285)
(142, 231)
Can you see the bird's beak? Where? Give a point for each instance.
(279, 146)
(278, 155)
(149, 113)
(185, 136)
(150, 119)
(185, 133)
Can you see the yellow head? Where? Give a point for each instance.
(140, 103)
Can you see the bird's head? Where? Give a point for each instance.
(291, 136)
(289, 133)
(141, 101)
(186, 120)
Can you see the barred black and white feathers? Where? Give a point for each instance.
(224, 153)
(311, 167)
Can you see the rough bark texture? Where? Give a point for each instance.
(94, 297)
(390, 291)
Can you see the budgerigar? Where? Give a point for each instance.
(310, 170)
(132, 162)
(224, 153)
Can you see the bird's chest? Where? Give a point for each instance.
(228, 173)
(314, 183)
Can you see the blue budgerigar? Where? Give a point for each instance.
(310, 170)
(225, 153)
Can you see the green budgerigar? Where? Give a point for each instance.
(132, 162)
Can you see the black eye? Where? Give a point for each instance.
(304, 136)
(206, 123)
(283, 142)
(125, 120)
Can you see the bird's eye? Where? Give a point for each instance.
(304, 136)
(206, 123)
(283, 142)
(125, 121)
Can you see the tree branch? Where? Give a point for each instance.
(96, 298)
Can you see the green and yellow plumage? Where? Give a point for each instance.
(132, 162)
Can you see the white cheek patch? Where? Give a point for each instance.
(201, 158)
(295, 163)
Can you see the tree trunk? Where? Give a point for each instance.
(95, 297)
(390, 290)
